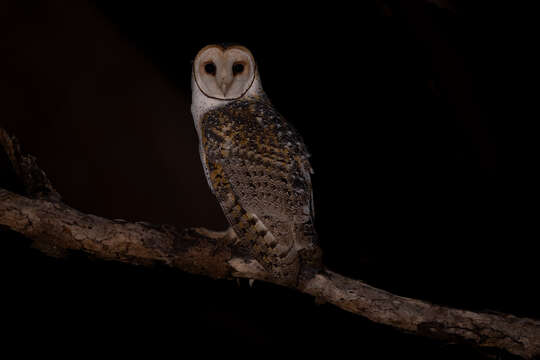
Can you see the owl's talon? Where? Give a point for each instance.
(191, 232)
(251, 281)
(206, 233)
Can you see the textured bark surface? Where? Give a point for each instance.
(55, 228)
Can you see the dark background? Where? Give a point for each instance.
(397, 101)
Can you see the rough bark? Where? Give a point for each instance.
(56, 227)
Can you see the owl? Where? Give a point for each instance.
(255, 162)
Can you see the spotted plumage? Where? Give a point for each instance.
(257, 166)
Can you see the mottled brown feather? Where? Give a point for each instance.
(259, 170)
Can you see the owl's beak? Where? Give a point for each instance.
(224, 88)
(225, 83)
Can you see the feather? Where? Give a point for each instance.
(258, 167)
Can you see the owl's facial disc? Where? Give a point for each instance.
(224, 73)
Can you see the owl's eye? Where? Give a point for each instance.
(237, 68)
(210, 68)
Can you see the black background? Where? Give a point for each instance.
(400, 115)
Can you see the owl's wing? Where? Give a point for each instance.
(259, 170)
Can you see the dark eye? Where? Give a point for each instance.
(210, 68)
(237, 68)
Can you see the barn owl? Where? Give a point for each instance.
(255, 162)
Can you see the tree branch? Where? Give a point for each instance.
(40, 216)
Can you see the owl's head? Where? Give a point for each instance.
(224, 73)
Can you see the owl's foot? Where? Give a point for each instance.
(228, 234)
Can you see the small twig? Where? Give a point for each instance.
(35, 181)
